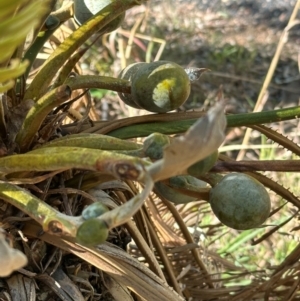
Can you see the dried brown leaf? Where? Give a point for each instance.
(67, 285)
(117, 290)
(116, 263)
(52, 284)
(11, 259)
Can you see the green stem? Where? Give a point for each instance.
(65, 50)
(38, 113)
(175, 127)
(52, 22)
(68, 67)
(99, 82)
(263, 117)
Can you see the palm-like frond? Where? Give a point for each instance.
(18, 18)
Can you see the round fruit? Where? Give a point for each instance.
(127, 74)
(160, 86)
(94, 210)
(92, 232)
(154, 144)
(240, 201)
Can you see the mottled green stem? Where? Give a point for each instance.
(52, 22)
(50, 219)
(60, 224)
(57, 158)
(38, 113)
(65, 50)
(94, 141)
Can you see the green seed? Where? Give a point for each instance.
(92, 232)
(94, 210)
(240, 201)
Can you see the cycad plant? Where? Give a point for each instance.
(76, 192)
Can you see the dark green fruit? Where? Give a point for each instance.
(86, 9)
(202, 167)
(92, 232)
(172, 195)
(154, 144)
(127, 74)
(240, 201)
(160, 86)
(94, 210)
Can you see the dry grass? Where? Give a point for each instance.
(239, 56)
